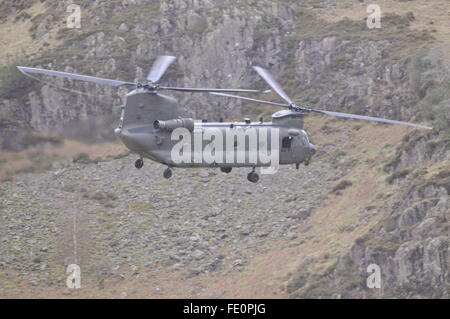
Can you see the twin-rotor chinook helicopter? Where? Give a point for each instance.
(149, 118)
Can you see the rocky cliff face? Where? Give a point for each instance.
(410, 243)
(216, 43)
(121, 38)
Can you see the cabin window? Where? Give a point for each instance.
(286, 142)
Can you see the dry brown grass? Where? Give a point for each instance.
(429, 15)
(15, 36)
(12, 163)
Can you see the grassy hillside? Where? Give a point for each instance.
(374, 193)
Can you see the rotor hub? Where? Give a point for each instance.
(152, 86)
(297, 108)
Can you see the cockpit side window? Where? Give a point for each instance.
(286, 142)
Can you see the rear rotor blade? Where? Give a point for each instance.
(273, 84)
(211, 90)
(249, 99)
(369, 118)
(159, 67)
(73, 76)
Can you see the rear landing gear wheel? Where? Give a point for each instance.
(139, 163)
(226, 169)
(253, 177)
(167, 173)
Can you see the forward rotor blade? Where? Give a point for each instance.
(273, 84)
(249, 99)
(73, 76)
(211, 90)
(159, 67)
(370, 118)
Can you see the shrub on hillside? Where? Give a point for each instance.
(12, 82)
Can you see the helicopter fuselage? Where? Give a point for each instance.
(151, 127)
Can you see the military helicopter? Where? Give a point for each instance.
(149, 120)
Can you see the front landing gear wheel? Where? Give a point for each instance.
(226, 169)
(167, 173)
(253, 177)
(139, 163)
